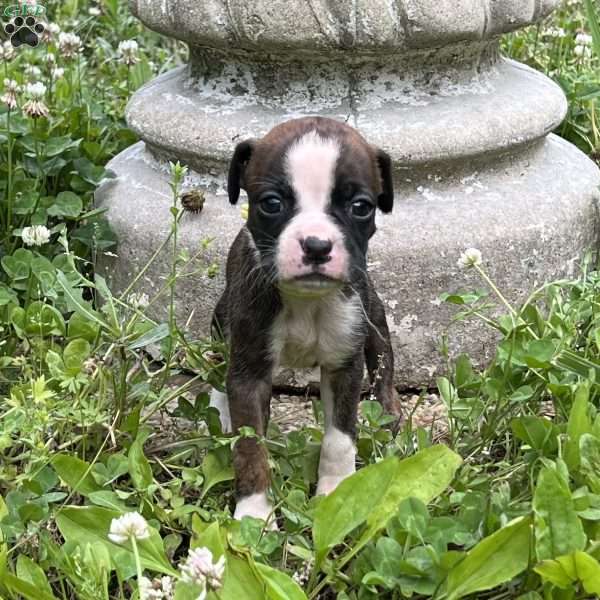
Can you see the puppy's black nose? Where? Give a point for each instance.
(316, 251)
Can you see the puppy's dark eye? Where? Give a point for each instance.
(361, 209)
(271, 205)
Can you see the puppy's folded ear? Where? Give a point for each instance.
(385, 201)
(237, 168)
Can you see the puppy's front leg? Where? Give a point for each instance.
(249, 394)
(340, 394)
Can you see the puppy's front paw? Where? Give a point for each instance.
(257, 506)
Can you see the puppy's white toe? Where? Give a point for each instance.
(326, 484)
(219, 401)
(257, 506)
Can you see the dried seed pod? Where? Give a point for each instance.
(193, 200)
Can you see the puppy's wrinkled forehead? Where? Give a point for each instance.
(311, 156)
(310, 164)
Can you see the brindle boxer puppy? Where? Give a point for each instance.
(298, 293)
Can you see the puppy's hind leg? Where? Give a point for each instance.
(379, 357)
(219, 401)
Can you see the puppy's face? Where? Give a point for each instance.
(313, 186)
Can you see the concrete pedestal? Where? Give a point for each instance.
(467, 131)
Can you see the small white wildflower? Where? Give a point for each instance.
(302, 576)
(583, 51)
(130, 525)
(128, 50)
(50, 59)
(94, 11)
(157, 589)
(58, 73)
(32, 71)
(35, 106)
(69, 44)
(35, 91)
(7, 52)
(38, 235)
(51, 30)
(471, 257)
(11, 89)
(583, 39)
(200, 569)
(555, 32)
(140, 300)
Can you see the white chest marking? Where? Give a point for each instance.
(311, 332)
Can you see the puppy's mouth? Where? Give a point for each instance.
(310, 285)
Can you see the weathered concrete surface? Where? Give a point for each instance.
(530, 215)
(313, 26)
(467, 131)
(505, 107)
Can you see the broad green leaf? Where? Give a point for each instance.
(536, 432)
(280, 586)
(25, 589)
(558, 529)
(207, 536)
(216, 468)
(89, 524)
(76, 473)
(74, 355)
(241, 581)
(374, 493)
(350, 504)
(75, 302)
(566, 571)
(139, 467)
(67, 204)
(28, 571)
(423, 476)
(589, 452)
(108, 499)
(156, 334)
(495, 560)
(578, 425)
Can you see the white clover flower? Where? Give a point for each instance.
(471, 257)
(140, 300)
(69, 44)
(157, 589)
(38, 235)
(58, 73)
(583, 39)
(11, 89)
(51, 30)
(130, 525)
(94, 11)
(128, 49)
(555, 32)
(200, 569)
(35, 91)
(583, 51)
(35, 106)
(7, 52)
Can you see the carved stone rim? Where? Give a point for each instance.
(343, 25)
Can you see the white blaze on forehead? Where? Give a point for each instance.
(310, 164)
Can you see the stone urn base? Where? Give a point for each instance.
(532, 217)
(467, 130)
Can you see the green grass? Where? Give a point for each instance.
(507, 507)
